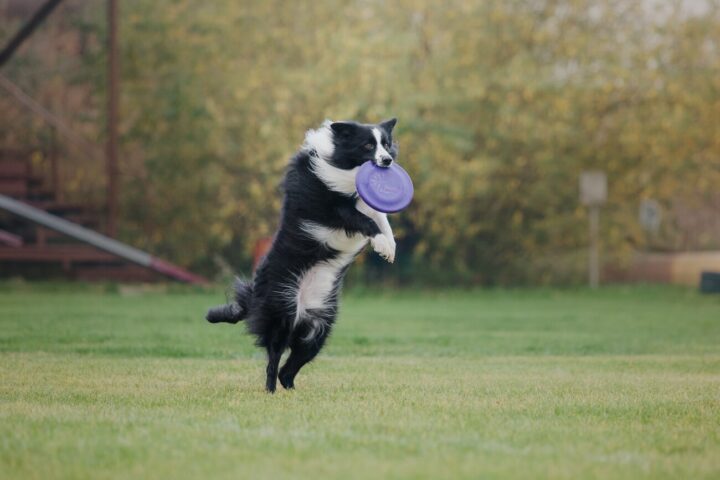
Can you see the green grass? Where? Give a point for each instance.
(620, 383)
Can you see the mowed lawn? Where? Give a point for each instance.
(98, 383)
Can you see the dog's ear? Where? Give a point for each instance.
(388, 125)
(343, 129)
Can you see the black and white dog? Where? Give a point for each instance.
(293, 298)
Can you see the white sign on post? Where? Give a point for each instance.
(593, 188)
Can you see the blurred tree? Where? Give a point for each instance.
(501, 106)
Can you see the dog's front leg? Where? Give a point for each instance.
(354, 221)
(384, 243)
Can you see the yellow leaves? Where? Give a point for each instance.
(528, 94)
(562, 105)
(703, 183)
(501, 104)
(517, 218)
(497, 14)
(256, 189)
(221, 231)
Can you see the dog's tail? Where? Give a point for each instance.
(235, 311)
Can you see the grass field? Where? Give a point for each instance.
(622, 383)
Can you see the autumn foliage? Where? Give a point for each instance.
(501, 105)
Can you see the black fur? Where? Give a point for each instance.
(266, 303)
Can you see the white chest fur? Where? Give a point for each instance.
(317, 283)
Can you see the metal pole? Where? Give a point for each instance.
(594, 253)
(112, 119)
(75, 231)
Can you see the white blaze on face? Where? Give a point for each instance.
(380, 151)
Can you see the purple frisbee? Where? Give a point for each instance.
(386, 189)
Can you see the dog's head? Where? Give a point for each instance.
(356, 143)
(339, 148)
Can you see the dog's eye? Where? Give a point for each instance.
(369, 146)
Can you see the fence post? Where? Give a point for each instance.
(593, 193)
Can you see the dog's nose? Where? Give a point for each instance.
(386, 161)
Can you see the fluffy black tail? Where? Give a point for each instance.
(235, 311)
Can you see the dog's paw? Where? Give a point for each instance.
(286, 381)
(385, 246)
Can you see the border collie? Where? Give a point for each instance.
(292, 301)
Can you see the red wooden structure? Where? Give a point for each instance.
(39, 231)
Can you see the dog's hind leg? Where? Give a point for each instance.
(303, 351)
(275, 349)
(272, 369)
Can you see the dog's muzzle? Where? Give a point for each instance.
(384, 162)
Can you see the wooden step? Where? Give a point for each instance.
(54, 253)
(10, 239)
(14, 169)
(14, 187)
